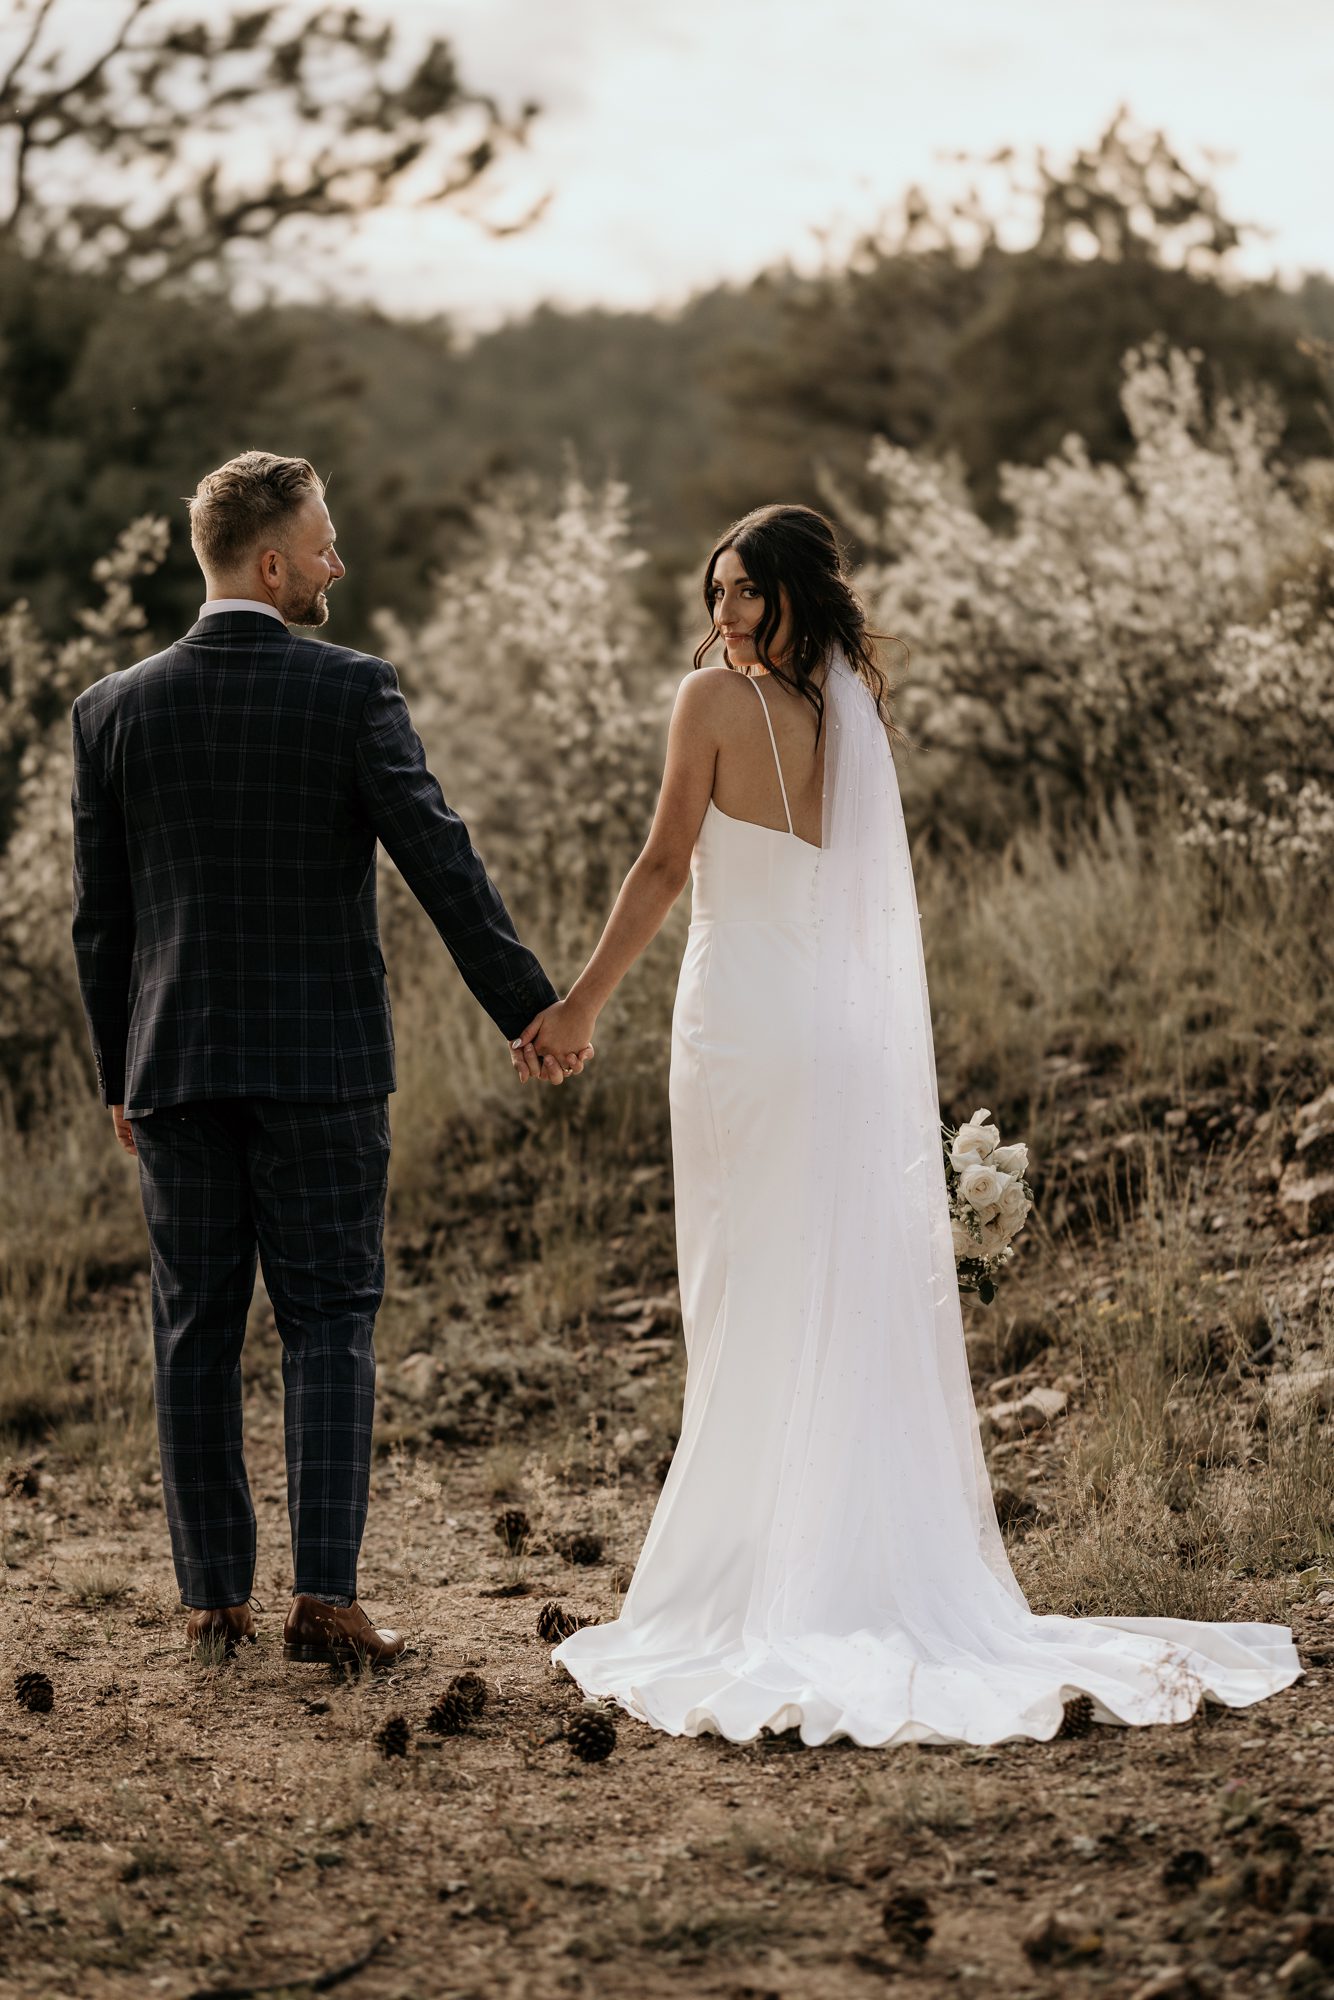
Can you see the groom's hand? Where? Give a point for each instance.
(121, 1125)
(529, 1067)
(550, 1067)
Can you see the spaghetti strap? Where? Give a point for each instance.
(777, 762)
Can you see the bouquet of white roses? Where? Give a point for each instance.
(989, 1201)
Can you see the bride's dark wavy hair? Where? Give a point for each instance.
(795, 546)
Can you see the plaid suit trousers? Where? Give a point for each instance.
(300, 1186)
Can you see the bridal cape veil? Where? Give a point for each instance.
(869, 1593)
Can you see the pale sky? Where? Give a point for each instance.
(687, 141)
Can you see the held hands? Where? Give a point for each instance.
(555, 1044)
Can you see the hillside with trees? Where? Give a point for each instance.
(127, 364)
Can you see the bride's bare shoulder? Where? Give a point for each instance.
(706, 690)
(706, 704)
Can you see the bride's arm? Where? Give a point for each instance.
(657, 877)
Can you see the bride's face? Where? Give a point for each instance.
(738, 609)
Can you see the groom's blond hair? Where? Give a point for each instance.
(245, 502)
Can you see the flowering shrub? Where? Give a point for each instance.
(1267, 792)
(989, 1201)
(38, 682)
(1077, 654)
(540, 691)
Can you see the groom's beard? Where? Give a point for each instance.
(308, 610)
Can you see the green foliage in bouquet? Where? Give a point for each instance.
(989, 1200)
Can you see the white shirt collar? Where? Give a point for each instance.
(214, 605)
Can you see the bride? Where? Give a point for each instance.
(825, 1551)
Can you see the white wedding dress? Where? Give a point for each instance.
(825, 1551)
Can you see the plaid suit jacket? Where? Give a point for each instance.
(228, 796)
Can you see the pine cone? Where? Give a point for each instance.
(470, 1689)
(1185, 1870)
(451, 1713)
(513, 1528)
(584, 1549)
(392, 1738)
(555, 1623)
(591, 1735)
(1077, 1716)
(907, 1918)
(34, 1691)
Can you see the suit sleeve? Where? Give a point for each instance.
(436, 858)
(103, 918)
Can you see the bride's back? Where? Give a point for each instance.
(745, 783)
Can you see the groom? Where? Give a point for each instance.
(228, 796)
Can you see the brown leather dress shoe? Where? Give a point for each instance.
(340, 1633)
(232, 1623)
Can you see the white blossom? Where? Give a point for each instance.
(1120, 635)
(38, 681)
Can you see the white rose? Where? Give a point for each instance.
(1011, 1159)
(980, 1186)
(965, 1243)
(1014, 1202)
(993, 1239)
(973, 1142)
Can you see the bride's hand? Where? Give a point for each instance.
(556, 1044)
(529, 1067)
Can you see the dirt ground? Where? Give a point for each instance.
(174, 1828)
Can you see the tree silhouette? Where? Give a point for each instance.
(166, 150)
(1129, 198)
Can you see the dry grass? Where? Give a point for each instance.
(1130, 952)
(71, 1229)
(98, 1582)
(1177, 1496)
